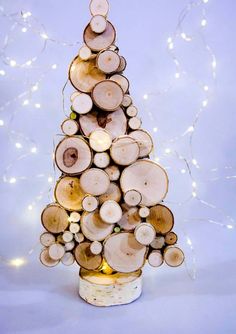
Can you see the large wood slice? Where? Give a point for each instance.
(82, 104)
(70, 127)
(144, 141)
(100, 140)
(99, 7)
(54, 218)
(93, 227)
(73, 155)
(85, 258)
(161, 218)
(108, 61)
(107, 95)
(46, 260)
(147, 177)
(69, 194)
(130, 219)
(122, 81)
(123, 253)
(95, 181)
(84, 75)
(173, 256)
(98, 24)
(113, 193)
(124, 150)
(98, 42)
(110, 212)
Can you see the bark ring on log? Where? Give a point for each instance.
(107, 95)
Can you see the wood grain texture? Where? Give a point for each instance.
(161, 218)
(54, 218)
(94, 228)
(98, 42)
(95, 181)
(107, 95)
(85, 258)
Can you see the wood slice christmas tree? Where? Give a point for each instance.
(108, 215)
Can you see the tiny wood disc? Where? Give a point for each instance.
(90, 203)
(56, 251)
(79, 237)
(95, 181)
(158, 242)
(113, 172)
(132, 111)
(123, 64)
(85, 258)
(69, 246)
(144, 233)
(113, 193)
(132, 197)
(85, 53)
(67, 236)
(144, 141)
(124, 151)
(98, 42)
(98, 24)
(130, 219)
(144, 212)
(74, 228)
(70, 127)
(82, 104)
(108, 61)
(161, 218)
(99, 7)
(93, 227)
(107, 95)
(96, 247)
(134, 123)
(74, 217)
(73, 95)
(126, 101)
(101, 160)
(171, 238)
(155, 258)
(100, 140)
(68, 259)
(110, 212)
(47, 239)
(73, 155)
(46, 260)
(69, 194)
(122, 81)
(54, 219)
(173, 256)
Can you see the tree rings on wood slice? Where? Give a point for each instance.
(99, 7)
(74, 217)
(82, 103)
(100, 140)
(110, 212)
(98, 24)
(124, 150)
(54, 218)
(69, 246)
(155, 258)
(70, 127)
(131, 111)
(126, 101)
(122, 81)
(144, 233)
(173, 256)
(47, 239)
(123, 64)
(124, 253)
(85, 258)
(84, 75)
(113, 193)
(68, 259)
(144, 212)
(85, 53)
(134, 123)
(95, 181)
(107, 95)
(69, 194)
(113, 172)
(98, 42)
(161, 218)
(67, 236)
(56, 251)
(148, 178)
(46, 260)
(74, 228)
(73, 95)
(101, 160)
(132, 197)
(79, 237)
(96, 247)
(171, 238)
(158, 242)
(93, 227)
(144, 141)
(108, 61)
(90, 203)
(73, 155)
(130, 219)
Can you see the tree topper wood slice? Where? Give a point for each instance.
(98, 42)
(98, 24)
(95, 181)
(93, 227)
(107, 95)
(99, 7)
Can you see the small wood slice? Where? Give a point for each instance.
(113, 172)
(56, 251)
(144, 212)
(85, 53)
(134, 123)
(69, 246)
(96, 247)
(107, 95)
(46, 260)
(144, 141)
(130, 219)
(98, 42)
(100, 140)
(69, 194)
(99, 7)
(73, 155)
(161, 218)
(98, 24)
(113, 193)
(123, 64)
(79, 237)
(173, 256)
(47, 239)
(82, 104)
(124, 150)
(93, 227)
(108, 61)
(123, 253)
(95, 181)
(127, 101)
(132, 197)
(132, 111)
(68, 259)
(85, 258)
(54, 219)
(84, 75)
(74, 228)
(171, 238)
(144, 233)
(110, 212)
(74, 217)
(122, 81)
(101, 160)
(148, 178)
(67, 236)
(70, 127)
(158, 242)
(155, 258)
(90, 203)
(73, 95)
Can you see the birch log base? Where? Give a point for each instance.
(101, 289)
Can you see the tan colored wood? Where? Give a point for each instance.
(107, 95)
(85, 258)
(123, 64)
(56, 251)
(134, 123)
(95, 181)
(69, 193)
(46, 260)
(54, 218)
(173, 256)
(114, 48)
(130, 219)
(47, 239)
(74, 228)
(161, 218)
(113, 172)
(108, 61)
(98, 24)
(132, 197)
(144, 212)
(79, 237)
(74, 217)
(124, 150)
(82, 104)
(158, 242)
(113, 193)
(144, 141)
(100, 140)
(70, 127)
(73, 155)
(68, 259)
(96, 247)
(60, 239)
(67, 236)
(110, 212)
(101, 160)
(90, 203)
(147, 177)
(99, 7)
(127, 100)
(85, 53)
(93, 227)
(122, 81)
(73, 95)
(155, 258)
(131, 111)
(171, 238)
(144, 233)
(69, 246)
(98, 42)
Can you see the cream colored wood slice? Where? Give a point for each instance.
(155, 258)
(96, 247)
(79, 237)
(68, 259)
(100, 140)
(98, 24)
(70, 127)
(123, 64)
(82, 104)
(173, 256)
(99, 7)
(98, 42)
(122, 81)
(90, 203)
(93, 227)
(56, 251)
(108, 61)
(124, 150)
(134, 123)
(144, 212)
(144, 140)
(127, 100)
(130, 219)
(144, 233)
(110, 212)
(95, 181)
(113, 193)
(85, 258)
(46, 260)
(107, 95)
(85, 53)
(67, 236)
(54, 219)
(74, 228)
(132, 197)
(73, 95)
(69, 246)
(158, 242)
(113, 172)
(131, 111)
(47, 239)
(101, 160)
(74, 217)
(161, 218)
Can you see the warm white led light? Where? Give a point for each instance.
(167, 150)
(24, 29)
(50, 179)
(25, 102)
(203, 22)
(145, 96)
(18, 145)
(54, 66)
(2, 72)
(1, 122)
(155, 129)
(34, 149)
(44, 36)
(12, 180)
(17, 262)
(12, 63)
(37, 105)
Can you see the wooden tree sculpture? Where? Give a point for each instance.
(108, 214)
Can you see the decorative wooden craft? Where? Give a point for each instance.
(108, 216)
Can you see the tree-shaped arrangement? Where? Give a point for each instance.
(108, 214)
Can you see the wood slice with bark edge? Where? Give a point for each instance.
(161, 218)
(144, 141)
(158, 242)
(99, 7)
(69, 246)
(74, 228)
(134, 123)
(67, 236)
(90, 203)
(56, 251)
(85, 258)
(73, 95)
(100, 140)
(98, 42)
(108, 61)
(147, 177)
(82, 104)
(113, 172)
(107, 95)
(144, 212)
(84, 75)
(98, 24)
(95, 181)
(110, 212)
(46, 260)
(155, 259)
(122, 81)
(144, 233)
(127, 101)
(131, 111)
(79, 237)
(173, 256)
(132, 197)
(73, 155)
(124, 150)
(68, 259)
(123, 65)
(93, 227)
(74, 217)
(69, 194)
(54, 218)
(84, 52)
(130, 218)
(113, 47)
(123, 253)
(70, 127)
(101, 160)
(96, 247)
(47, 239)
(171, 238)
(113, 193)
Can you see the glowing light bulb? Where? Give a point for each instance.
(29, 62)
(34, 149)
(183, 171)
(18, 145)
(44, 36)
(34, 88)
(194, 194)
(205, 1)
(194, 184)
(190, 129)
(12, 63)
(189, 242)
(167, 150)
(206, 88)
(157, 159)
(25, 102)
(2, 72)
(54, 66)
(230, 227)
(194, 162)
(203, 22)
(204, 103)
(145, 96)
(24, 29)
(1, 122)
(50, 179)
(183, 35)
(12, 180)
(171, 46)
(17, 262)
(30, 207)
(155, 129)
(169, 40)
(213, 64)
(37, 105)
(177, 75)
